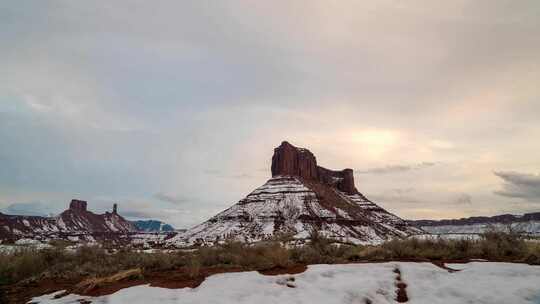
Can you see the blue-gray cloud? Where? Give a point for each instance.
(172, 199)
(519, 185)
(30, 208)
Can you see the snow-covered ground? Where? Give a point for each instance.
(526, 227)
(477, 282)
(447, 236)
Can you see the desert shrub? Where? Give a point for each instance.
(369, 253)
(234, 254)
(194, 267)
(56, 262)
(464, 248)
(533, 253)
(20, 264)
(318, 241)
(320, 250)
(400, 249)
(4, 269)
(85, 261)
(156, 260)
(230, 253)
(306, 255)
(502, 245)
(283, 237)
(61, 244)
(277, 255)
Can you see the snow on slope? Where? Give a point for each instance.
(75, 222)
(493, 283)
(528, 223)
(285, 204)
(530, 227)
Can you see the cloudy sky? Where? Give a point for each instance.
(173, 108)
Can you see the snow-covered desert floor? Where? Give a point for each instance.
(477, 282)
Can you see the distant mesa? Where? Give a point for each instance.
(528, 224)
(75, 223)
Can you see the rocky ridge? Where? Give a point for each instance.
(528, 223)
(75, 223)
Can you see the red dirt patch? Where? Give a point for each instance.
(401, 292)
(284, 270)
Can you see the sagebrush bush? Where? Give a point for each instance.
(93, 261)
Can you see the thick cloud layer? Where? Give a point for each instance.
(172, 109)
(520, 185)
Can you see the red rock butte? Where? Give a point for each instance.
(78, 205)
(289, 160)
(301, 197)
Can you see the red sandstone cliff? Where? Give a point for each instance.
(292, 161)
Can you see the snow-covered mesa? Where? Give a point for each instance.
(478, 282)
(286, 204)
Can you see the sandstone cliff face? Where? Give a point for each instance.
(289, 160)
(78, 205)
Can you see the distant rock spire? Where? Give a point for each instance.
(115, 208)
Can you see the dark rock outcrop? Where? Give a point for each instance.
(78, 205)
(289, 160)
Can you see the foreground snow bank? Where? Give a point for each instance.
(354, 283)
(477, 282)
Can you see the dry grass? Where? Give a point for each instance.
(93, 283)
(492, 246)
(27, 263)
(95, 262)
